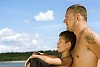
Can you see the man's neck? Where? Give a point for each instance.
(79, 30)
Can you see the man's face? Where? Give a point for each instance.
(62, 45)
(69, 20)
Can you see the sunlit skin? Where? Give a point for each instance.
(69, 21)
(87, 50)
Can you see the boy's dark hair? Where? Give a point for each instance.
(69, 36)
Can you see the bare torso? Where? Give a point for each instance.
(82, 55)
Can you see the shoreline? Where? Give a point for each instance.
(12, 61)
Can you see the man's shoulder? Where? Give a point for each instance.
(90, 36)
(88, 31)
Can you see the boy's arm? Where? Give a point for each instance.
(66, 61)
(47, 59)
(38, 53)
(52, 56)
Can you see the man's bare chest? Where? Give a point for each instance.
(80, 48)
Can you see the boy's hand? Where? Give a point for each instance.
(25, 64)
(27, 61)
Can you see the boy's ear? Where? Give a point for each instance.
(69, 44)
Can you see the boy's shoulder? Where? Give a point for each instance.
(69, 58)
(66, 60)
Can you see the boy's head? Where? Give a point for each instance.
(67, 41)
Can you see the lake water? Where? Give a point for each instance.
(11, 64)
(20, 64)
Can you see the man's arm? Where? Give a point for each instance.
(93, 41)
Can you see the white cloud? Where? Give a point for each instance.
(45, 16)
(36, 35)
(20, 42)
(34, 42)
(6, 32)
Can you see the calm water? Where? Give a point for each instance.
(11, 64)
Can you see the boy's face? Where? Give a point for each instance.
(62, 46)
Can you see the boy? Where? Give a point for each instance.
(65, 46)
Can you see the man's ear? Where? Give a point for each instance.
(79, 16)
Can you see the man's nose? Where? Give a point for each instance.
(64, 20)
(58, 44)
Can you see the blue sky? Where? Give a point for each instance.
(32, 25)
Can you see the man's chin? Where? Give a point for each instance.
(68, 29)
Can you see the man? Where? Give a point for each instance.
(87, 50)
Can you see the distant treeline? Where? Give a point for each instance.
(16, 56)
